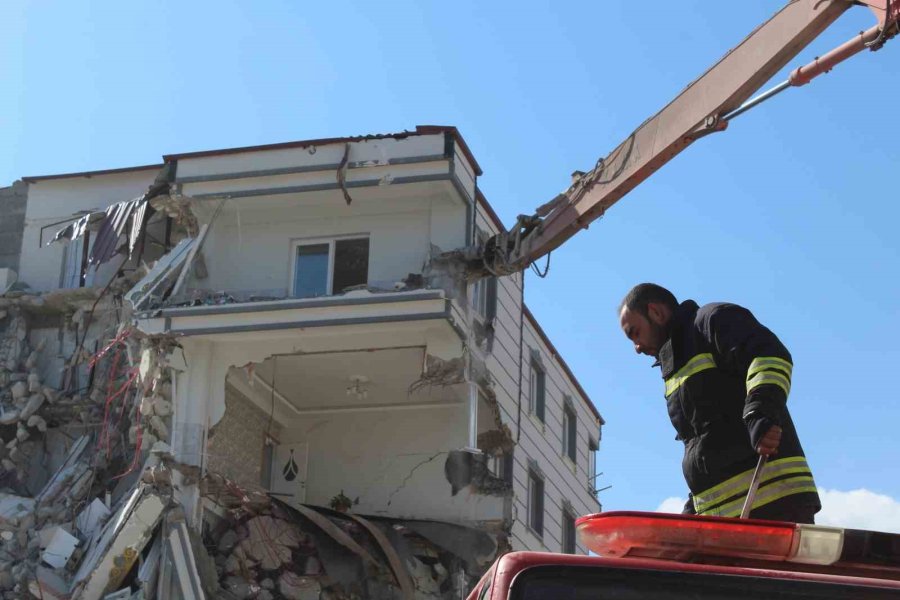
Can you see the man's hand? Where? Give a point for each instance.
(768, 444)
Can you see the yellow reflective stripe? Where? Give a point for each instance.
(761, 363)
(769, 377)
(767, 495)
(699, 363)
(739, 484)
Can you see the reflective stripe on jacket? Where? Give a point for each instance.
(723, 372)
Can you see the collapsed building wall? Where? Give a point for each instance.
(13, 200)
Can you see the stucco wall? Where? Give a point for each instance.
(53, 200)
(251, 249)
(392, 460)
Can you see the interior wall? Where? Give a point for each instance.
(251, 248)
(391, 460)
(236, 445)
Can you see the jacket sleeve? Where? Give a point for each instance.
(743, 345)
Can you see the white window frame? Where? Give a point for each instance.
(315, 241)
(479, 297)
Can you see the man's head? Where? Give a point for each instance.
(644, 317)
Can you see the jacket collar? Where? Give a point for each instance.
(670, 351)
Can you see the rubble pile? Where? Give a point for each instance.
(66, 459)
(265, 549)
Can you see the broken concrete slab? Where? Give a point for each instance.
(14, 508)
(399, 569)
(148, 573)
(48, 584)
(91, 517)
(180, 575)
(296, 587)
(270, 541)
(59, 549)
(477, 547)
(120, 542)
(72, 469)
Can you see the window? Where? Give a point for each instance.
(536, 503)
(537, 390)
(592, 466)
(325, 267)
(501, 467)
(484, 297)
(75, 265)
(568, 532)
(483, 293)
(570, 431)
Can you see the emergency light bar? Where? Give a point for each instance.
(690, 537)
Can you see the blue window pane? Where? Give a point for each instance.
(311, 271)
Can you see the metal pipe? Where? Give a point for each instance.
(823, 64)
(754, 486)
(757, 100)
(808, 72)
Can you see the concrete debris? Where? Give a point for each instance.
(440, 372)
(305, 552)
(60, 548)
(116, 550)
(93, 515)
(295, 587)
(13, 509)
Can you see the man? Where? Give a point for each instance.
(727, 379)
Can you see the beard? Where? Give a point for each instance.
(659, 334)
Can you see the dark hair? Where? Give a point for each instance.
(643, 294)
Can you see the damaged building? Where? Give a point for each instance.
(253, 373)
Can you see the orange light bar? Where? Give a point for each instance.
(657, 535)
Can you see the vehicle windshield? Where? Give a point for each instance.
(590, 583)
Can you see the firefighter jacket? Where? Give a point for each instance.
(727, 380)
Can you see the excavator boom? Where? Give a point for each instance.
(704, 107)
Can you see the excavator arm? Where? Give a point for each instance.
(704, 107)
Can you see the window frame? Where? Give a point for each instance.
(316, 241)
(537, 375)
(501, 466)
(536, 495)
(483, 291)
(569, 535)
(570, 438)
(593, 448)
(75, 268)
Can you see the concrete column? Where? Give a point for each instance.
(189, 421)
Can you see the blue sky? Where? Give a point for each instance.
(793, 212)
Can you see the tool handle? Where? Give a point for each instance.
(754, 485)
